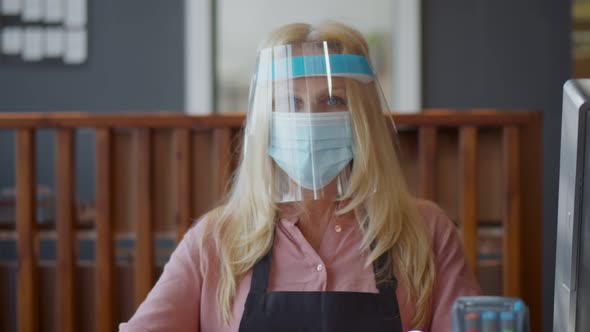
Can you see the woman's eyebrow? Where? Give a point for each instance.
(308, 89)
(335, 90)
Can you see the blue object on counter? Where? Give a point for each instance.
(494, 314)
(489, 315)
(507, 316)
(508, 323)
(489, 321)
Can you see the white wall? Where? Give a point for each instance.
(198, 41)
(243, 25)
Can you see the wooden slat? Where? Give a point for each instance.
(222, 141)
(65, 309)
(184, 182)
(82, 225)
(119, 120)
(433, 117)
(427, 162)
(531, 204)
(144, 251)
(27, 288)
(105, 274)
(511, 214)
(468, 192)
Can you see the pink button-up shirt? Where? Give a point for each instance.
(183, 299)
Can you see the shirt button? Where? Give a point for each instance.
(338, 229)
(319, 268)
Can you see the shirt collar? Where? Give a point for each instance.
(347, 218)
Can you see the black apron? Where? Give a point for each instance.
(318, 311)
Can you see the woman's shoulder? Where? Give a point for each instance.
(436, 220)
(199, 237)
(429, 209)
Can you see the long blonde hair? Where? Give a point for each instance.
(243, 228)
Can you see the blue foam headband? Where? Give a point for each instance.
(347, 65)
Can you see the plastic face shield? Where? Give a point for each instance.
(300, 110)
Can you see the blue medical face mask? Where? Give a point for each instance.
(312, 148)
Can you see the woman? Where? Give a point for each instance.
(319, 232)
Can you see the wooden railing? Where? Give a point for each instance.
(519, 197)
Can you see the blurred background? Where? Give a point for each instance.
(197, 57)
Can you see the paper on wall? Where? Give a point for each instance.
(32, 11)
(54, 42)
(75, 13)
(54, 11)
(76, 46)
(33, 44)
(10, 7)
(12, 40)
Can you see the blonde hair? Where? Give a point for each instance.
(243, 228)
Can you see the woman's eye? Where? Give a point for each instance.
(296, 104)
(335, 100)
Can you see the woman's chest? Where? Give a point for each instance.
(339, 266)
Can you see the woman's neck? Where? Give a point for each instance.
(314, 218)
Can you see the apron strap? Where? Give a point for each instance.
(260, 274)
(386, 287)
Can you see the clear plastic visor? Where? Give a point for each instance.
(300, 102)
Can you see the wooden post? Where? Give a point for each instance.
(65, 308)
(144, 249)
(468, 192)
(222, 141)
(531, 203)
(427, 162)
(105, 257)
(27, 288)
(512, 224)
(184, 202)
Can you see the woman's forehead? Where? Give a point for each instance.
(312, 83)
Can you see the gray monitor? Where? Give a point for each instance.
(572, 268)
